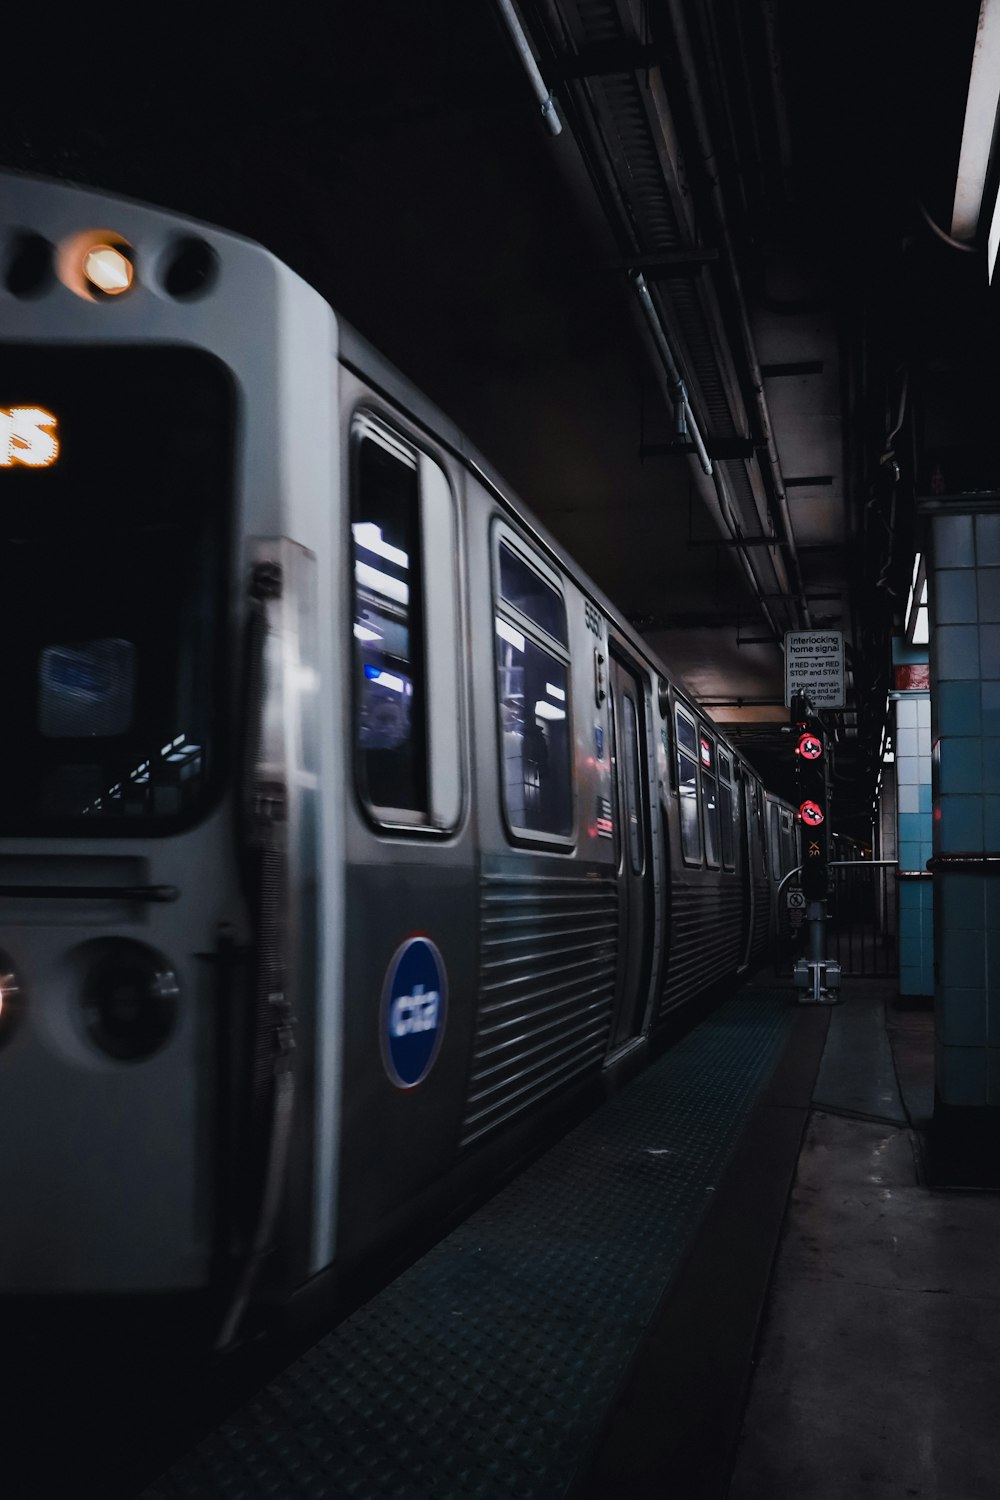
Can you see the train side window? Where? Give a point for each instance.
(533, 698)
(532, 595)
(726, 810)
(406, 699)
(687, 788)
(709, 800)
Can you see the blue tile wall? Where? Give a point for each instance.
(958, 706)
(914, 842)
(961, 1074)
(952, 542)
(955, 651)
(987, 541)
(954, 602)
(964, 651)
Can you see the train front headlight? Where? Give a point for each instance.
(130, 999)
(108, 269)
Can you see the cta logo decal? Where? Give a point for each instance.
(414, 1007)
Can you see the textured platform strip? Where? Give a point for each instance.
(487, 1367)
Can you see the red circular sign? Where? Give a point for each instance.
(810, 748)
(811, 813)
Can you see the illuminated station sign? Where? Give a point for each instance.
(28, 437)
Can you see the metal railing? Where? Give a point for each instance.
(862, 925)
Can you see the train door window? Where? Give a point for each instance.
(406, 699)
(789, 850)
(687, 788)
(726, 810)
(709, 799)
(758, 812)
(774, 839)
(633, 783)
(532, 693)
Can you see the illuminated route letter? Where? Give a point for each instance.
(27, 436)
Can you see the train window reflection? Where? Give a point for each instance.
(709, 794)
(726, 811)
(686, 736)
(389, 671)
(114, 572)
(86, 689)
(687, 789)
(532, 687)
(633, 784)
(527, 591)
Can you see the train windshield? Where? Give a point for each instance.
(115, 490)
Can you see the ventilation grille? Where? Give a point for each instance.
(706, 939)
(762, 916)
(548, 952)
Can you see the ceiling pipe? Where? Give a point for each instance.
(678, 390)
(713, 494)
(542, 94)
(755, 380)
(718, 506)
(588, 171)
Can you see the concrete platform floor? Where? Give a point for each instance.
(878, 1367)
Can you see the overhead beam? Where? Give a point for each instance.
(602, 59)
(716, 447)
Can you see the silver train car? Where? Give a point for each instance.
(349, 831)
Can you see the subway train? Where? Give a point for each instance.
(350, 833)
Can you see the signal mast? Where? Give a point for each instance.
(817, 977)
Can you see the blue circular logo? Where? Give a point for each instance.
(414, 1005)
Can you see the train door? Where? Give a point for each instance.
(410, 915)
(633, 849)
(747, 867)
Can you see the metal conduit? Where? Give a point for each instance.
(756, 380)
(678, 390)
(527, 57)
(714, 496)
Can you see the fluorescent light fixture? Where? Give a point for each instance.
(369, 536)
(385, 679)
(555, 692)
(980, 120)
(508, 633)
(381, 583)
(913, 583)
(994, 239)
(916, 617)
(362, 633)
(545, 710)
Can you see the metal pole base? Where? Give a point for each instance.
(818, 981)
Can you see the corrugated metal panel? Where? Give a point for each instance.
(761, 918)
(548, 955)
(705, 930)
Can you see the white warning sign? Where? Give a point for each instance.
(814, 664)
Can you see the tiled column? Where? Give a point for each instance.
(964, 598)
(913, 791)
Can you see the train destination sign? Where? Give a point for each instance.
(814, 664)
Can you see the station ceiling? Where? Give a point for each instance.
(743, 194)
